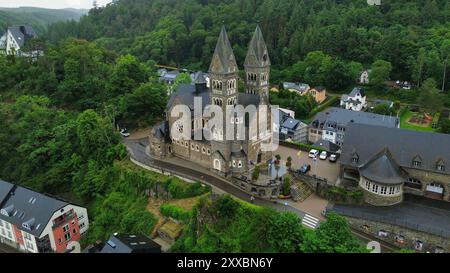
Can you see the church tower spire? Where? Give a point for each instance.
(257, 66)
(223, 60)
(223, 73)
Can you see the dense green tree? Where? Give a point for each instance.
(284, 233)
(332, 236)
(380, 72)
(430, 97)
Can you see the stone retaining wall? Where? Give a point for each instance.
(431, 243)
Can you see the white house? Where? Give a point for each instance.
(15, 38)
(355, 101)
(364, 77)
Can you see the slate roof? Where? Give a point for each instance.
(355, 91)
(290, 123)
(130, 243)
(161, 131)
(22, 34)
(301, 87)
(327, 145)
(187, 92)
(223, 60)
(342, 117)
(18, 200)
(382, 168)
(404, 145)
(257, 54)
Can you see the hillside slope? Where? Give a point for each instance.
(39, 18)
(184, 32)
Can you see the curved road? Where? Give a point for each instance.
(137, 148)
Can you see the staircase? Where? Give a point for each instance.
(300, 191)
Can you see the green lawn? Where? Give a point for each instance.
(405, 125)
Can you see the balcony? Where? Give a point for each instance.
(63, 219)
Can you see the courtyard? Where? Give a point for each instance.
(320, 168)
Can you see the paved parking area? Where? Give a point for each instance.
(321, 168)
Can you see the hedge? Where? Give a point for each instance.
(331, 102)
(175, 212)
(181, 190)
(301, 146)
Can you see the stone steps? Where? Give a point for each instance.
(300, 191)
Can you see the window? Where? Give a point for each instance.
(367, 185)
(208, 152)
(240, 164)
(67, 236)
(391, 190)
(66, 228)
(59, 241)
(203, 150)
(355, 158)
(192, 146)
(197, 148)
(383, 190)
(440, 166)
(234, 163)
(417, 161)
(375, 188)
(82, 225)
(74, 231)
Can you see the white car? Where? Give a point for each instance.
(124, 133)
(323, 155)
(313, 153)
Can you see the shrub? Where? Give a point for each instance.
(175, 212)
(181, 190)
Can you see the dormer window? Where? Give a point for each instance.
(355, 158)
(417, 161)
(440, 165)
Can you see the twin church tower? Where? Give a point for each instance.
(229, 158)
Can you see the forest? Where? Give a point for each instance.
(412, 35)
(60, 113)
(38, 18)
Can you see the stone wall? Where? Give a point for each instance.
(379, 200)
(427, 177)
(430, 241)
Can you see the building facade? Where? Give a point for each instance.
(319, 93)
(387, 163)
(228, 158)
(294, 130)
(331, 124)
(355, 101)
(15, 39)
(37, 223)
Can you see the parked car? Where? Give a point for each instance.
(124, 132)
(313, 153)
(323, 155)
(333, 158)
(305, 168)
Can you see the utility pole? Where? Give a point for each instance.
(445, 72)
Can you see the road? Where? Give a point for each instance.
(137, 149)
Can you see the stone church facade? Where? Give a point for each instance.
(228, 158)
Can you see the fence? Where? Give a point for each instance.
(390, 220)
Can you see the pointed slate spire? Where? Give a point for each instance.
(257, 54)
(223, 60)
